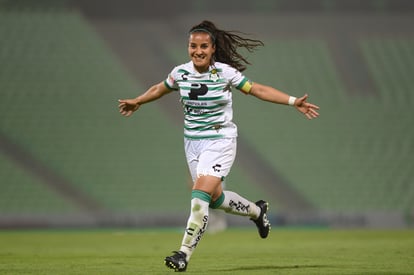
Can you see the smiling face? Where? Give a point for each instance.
(201, 50)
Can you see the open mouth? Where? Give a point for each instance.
(198, 58)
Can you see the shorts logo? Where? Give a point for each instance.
(216, 168)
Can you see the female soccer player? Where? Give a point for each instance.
(205, 84)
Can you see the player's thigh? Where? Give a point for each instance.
(217, 158)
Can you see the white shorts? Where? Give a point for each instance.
(213, 157)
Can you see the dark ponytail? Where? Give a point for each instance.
(227, 44)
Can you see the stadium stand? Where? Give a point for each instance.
(65, 150)
(59, 91)
(21, 193)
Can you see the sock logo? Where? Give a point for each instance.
(200, 232)
(239, 206)
(190, 231)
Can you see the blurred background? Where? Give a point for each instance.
(68, 158)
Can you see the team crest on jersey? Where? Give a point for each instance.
(213, 75)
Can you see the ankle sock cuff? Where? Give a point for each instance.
(201, 195)
(216, 204)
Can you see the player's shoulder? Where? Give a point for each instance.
(225, 68)
(187, 67)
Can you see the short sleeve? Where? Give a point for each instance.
(171, 82)
(238, 80)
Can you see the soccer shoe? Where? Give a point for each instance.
(177, 261)
(262, 223)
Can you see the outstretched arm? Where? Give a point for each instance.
(270, 94)
(128, 106)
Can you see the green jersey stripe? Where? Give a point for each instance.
(207, 115)
(210, 88)
(183, 71)
(210, 123)
(203, 136)
(203, 128)
(203, 98)
(219, 81)
(206, 107)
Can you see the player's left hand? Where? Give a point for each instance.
(306, 108)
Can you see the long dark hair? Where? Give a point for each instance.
(227, 44)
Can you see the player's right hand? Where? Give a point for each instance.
(127, 106)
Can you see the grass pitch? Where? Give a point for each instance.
(235, 251)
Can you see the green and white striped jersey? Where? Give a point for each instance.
(207, 99)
